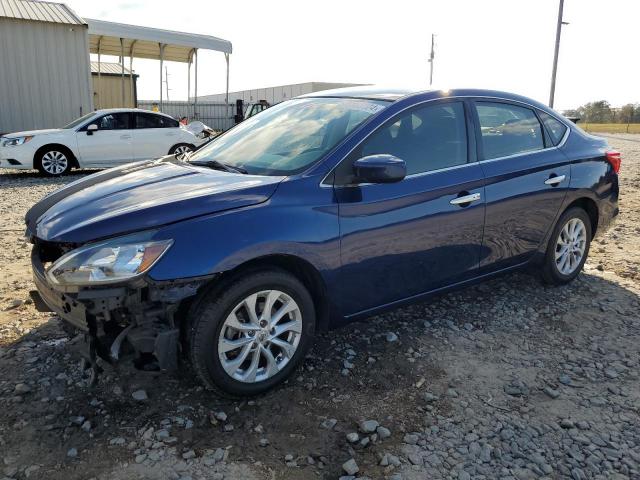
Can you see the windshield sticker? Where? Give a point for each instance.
(365, 106)
(376, 108)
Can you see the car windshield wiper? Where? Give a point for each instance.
(215, 164)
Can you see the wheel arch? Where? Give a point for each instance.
(591, 207)
(300, 268)
(72, 156)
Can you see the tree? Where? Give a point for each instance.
(571, 113)
(629, 113)
(596, 112)
(602, 112)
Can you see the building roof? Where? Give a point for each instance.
(140, 42)
(38, 11)
(145, 42)
(109, 68)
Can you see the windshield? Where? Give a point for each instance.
(287, 138)
(78, 121)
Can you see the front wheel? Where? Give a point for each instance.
(53, 162)
(181, 149)
(568, 247)
(250, 335)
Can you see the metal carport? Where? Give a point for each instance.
(133, 41)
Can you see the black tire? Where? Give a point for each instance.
(173, 149)
(207, 319)
(40, 161)
(551, 274)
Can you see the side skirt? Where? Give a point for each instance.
(426, 295)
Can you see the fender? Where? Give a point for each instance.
(62, 140)
(221, 242)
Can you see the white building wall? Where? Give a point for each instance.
(275, 94)
(44, 74)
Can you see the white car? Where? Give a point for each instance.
(104, 138)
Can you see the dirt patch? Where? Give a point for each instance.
(508, 379)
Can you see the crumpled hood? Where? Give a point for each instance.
(32, 133)
(141, 196)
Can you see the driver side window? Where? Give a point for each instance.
(428, 137)
(114, 121)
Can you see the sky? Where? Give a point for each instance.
(499, 44)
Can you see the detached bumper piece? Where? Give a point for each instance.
(134, 321)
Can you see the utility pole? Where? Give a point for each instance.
(166, 80)
(555, 54)
(431, 60)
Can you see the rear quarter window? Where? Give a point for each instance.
(555, 127)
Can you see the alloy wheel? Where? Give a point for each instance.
(570, 246)
(54, 162)
(181, 151)
(260, 336)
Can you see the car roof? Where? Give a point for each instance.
(121, 110)
(365, 91)
(393, 94)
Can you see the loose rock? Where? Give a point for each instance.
(350, 467)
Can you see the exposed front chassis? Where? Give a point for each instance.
(137, 319)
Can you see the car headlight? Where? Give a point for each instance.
(15, 141)
(108, 262)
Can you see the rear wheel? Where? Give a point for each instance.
(53, 162)
(250, 336)
(568, 247)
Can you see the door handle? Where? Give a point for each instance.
(474, 197)
(554, 181)
(125, 137)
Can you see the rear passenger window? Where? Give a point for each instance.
(508, 129)
(427, 138)
(555, 127)
(150, 120)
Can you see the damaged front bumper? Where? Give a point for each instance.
(139, 319)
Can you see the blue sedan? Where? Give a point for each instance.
(321, 210)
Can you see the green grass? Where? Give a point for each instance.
(610, 127)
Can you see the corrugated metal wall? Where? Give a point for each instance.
(218, 116)
(44, 74)
(107, 92)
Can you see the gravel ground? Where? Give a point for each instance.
(509, 379)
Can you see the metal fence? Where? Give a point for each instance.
(218, 116)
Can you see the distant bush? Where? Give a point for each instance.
(601, 112)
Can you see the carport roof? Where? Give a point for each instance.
(144, 42)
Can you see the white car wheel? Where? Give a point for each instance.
(181, 150)
(54, 163)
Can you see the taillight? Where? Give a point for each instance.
(615, 159)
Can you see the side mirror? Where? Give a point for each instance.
(92, 128)
(380, 168)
